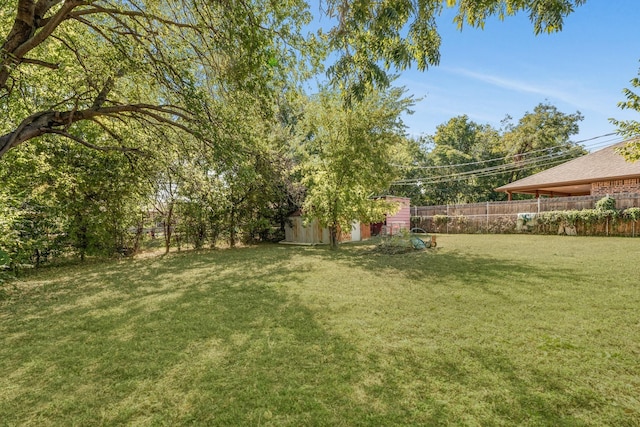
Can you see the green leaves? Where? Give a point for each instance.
(630, 128)
(607, 203)
(372, 37)
(465, 161)
(5, 260)
(156, 63)
(149, 61)
(347, 155)
(546, 16)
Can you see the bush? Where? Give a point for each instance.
(607, 203)
(631, 214)
(502, 225)
(401, 243)
(441, 221)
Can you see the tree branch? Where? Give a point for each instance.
(35, 40)
(130, 13)
(90, 145)
(24, 35)
(58, 122)
(41, 63)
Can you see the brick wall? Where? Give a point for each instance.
(615, 186)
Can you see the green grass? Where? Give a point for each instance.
(485, 330)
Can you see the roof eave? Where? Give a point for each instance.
(508, 187)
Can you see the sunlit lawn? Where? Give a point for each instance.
(485, 330)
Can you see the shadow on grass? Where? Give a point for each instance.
(206, 338)
(196, 339)
(534, 396)
(434, 266)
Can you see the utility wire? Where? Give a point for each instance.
(457, 178)
(550, 159)
(501, 168)
(473, 174)
(576, 147)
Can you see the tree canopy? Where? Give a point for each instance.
(110, 63)
(374, 36)
(630, 128)
(119, 115)
(346, 156)
(464, 161)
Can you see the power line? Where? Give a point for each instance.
(589, 148)
(550, 159)
(492, 170)
(460, 177)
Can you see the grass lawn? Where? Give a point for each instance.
(484, 330)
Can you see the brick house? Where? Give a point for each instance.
(596, 174)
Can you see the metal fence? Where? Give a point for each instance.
(502, 217)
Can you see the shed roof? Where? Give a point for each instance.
(575, 176)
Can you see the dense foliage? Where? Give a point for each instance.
(180, 120)
(630, 128)
(465, 161)
(346, 156)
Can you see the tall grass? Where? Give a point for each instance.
(484, 330)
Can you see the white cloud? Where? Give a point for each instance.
(519, 86)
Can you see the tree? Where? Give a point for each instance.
(111, 63)
(98, 200)
(464, 161)
(540, 136)
(460, 147)
(71, 200)
(232, 193)
(10, 216)
(375, 36)
(108, 63)
(131, 83)
(630, 128)
(346, 156)
(412, 167)
(450, 166)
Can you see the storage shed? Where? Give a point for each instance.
(297, 232)
(395, 223)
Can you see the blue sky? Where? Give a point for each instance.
(506, 69)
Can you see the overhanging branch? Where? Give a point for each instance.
(90, 145)
(59, 122)
(129, 13)
(40, 63)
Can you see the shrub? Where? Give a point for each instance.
(607, 203)
(440, 220)
(461, 220)
(502, 225)
(631, 214)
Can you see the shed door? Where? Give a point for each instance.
(355, 231)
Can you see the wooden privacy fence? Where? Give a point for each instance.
(502, 217)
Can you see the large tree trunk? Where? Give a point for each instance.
(334, 235)
(168, 229)
(232, 233)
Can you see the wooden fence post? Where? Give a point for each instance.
(448, 218)
(487, 225)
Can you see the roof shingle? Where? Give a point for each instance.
(605, 164)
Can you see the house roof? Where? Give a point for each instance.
(574, 177)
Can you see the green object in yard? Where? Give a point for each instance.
(418, 243)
